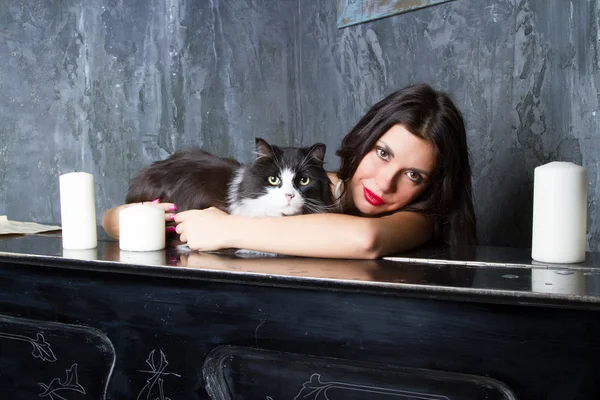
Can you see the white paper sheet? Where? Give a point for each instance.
(23, 228)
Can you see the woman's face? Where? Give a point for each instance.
(392, 174)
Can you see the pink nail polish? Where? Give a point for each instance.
(155, 201)
(172, 217)
(171, 229)
(173, 207)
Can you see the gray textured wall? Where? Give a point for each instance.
(108, 88)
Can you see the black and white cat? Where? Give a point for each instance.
(281, 181)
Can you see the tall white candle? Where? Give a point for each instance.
(559, 213)
(78, 211)
(141, 228)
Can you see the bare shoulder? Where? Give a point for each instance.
(332, 177)
(334, 181)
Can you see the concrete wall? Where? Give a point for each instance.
(111, 86)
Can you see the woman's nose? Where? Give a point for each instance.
(386, 180)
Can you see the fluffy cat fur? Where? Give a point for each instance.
(281, 181)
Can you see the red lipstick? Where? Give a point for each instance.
(372, 198)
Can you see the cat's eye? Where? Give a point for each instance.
(304, 180)
(274, 180)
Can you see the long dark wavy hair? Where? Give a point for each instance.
(430, 115)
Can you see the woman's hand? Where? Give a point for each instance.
(204, 230)
(168, 208)
(110, 218)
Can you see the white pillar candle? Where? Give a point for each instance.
(78, 211)
(559, 213)
(141, 228)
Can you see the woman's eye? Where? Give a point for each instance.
(274, 180)
(382, 153)
(304, 180)
(413, 176)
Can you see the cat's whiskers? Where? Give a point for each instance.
(318, 207)
(314, 209)
(337, 205)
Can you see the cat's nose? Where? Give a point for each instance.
(290, 196)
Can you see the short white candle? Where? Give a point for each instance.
(559, 213)
(141, 228)
(78, 211)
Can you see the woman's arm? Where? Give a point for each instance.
(110, 218)
(312, 235)
(110, 221)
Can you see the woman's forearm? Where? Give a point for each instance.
(110, 221)
(313, 235)
(331, 235)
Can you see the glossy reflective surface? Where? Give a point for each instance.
(486, 272)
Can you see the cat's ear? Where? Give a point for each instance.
(317, 152)
(263, 149)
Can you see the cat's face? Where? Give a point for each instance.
(283, 181)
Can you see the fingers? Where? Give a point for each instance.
(169, 217)
(144, 203)
(169, 208)
(149, 203)
(180, 229)
(184, 215)
(180, 217)
(165, 206)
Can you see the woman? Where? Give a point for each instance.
(404, 180)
